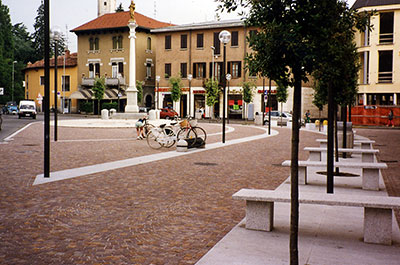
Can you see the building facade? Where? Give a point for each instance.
(103, 48)
(379, 77)
(67, 83)
(196, 50)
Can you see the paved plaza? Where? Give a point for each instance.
(156, 211)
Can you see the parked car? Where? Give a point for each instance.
(27, 108)
(276, 115)
(12, 109)
(167, 113)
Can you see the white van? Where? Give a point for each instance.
(27, 108)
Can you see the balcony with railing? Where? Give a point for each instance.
(386, 38)
(385, 77)
(109, 81)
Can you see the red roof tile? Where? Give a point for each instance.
(71, 59)
(120, 20)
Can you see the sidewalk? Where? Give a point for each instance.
(327, 235)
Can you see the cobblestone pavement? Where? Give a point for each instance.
(165, 212)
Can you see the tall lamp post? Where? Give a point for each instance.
(224, 37)
(158, 90)
(55, 34)
(12, 90)
(228, 78)
(46, 89)
(212, 63)
(190, 78)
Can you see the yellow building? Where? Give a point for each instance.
(379, 78)
(103, 48)
(67, 82)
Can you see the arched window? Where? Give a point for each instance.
(96, 44)
(114, 40)
(91, 44)
(119, 42)
(149, 43)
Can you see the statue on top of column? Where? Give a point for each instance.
(132, 11)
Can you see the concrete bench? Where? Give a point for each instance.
(364, 144)
(320, 153)
(377, 210)
(370, 171)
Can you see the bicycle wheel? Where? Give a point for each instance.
(170, 136)
(147, 128)
(152, 141)
(188, 134)
(201, 133)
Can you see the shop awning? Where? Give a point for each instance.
(89, 94)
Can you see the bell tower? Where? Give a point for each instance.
(106, 6)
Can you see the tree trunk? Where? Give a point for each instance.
(294, 207)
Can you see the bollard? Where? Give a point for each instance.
(182, 146)
(104, 114)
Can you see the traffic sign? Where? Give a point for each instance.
(1, 91)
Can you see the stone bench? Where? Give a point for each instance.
(370, 171)
(320, 153)
(377, 210)
(364, 144)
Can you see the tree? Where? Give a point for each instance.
(286, 49)
(212, 93)
(281, 95)
(6, 53)
(176, 85)
(248, 90)
(98, 89)
(139, 87)
(119, 8)
(38, 36)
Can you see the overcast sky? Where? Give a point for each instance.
(73, 13)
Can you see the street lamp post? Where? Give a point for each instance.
(55, 34)
(12, 88)
(228, 78)
(158, 90)
(190, 77)
(269, 108)
(46, 89)
(224, 37)
(212, 62)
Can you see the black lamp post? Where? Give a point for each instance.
(228, 78)
(269, 108)
(224, 37)
(13, 79)
(190, 77)
(46, 89)
(158, 90)
(55, 34)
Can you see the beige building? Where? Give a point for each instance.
(379, 79)
(195, 49)
(67, 83)
(103, 48)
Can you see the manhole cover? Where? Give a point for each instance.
(340, 174)
(205, 164)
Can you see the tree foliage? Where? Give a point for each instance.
(176, 85)
(139, 87)
(212, 92)
(6, 53)
(98, 88)
(248, 91)
(292, 37)
(38, 37)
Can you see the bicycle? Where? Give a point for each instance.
(189, 128)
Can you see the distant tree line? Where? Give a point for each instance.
(18, 47)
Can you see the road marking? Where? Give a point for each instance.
(93, 169)
(9, 138)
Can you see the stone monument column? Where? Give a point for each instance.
(131, 92)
